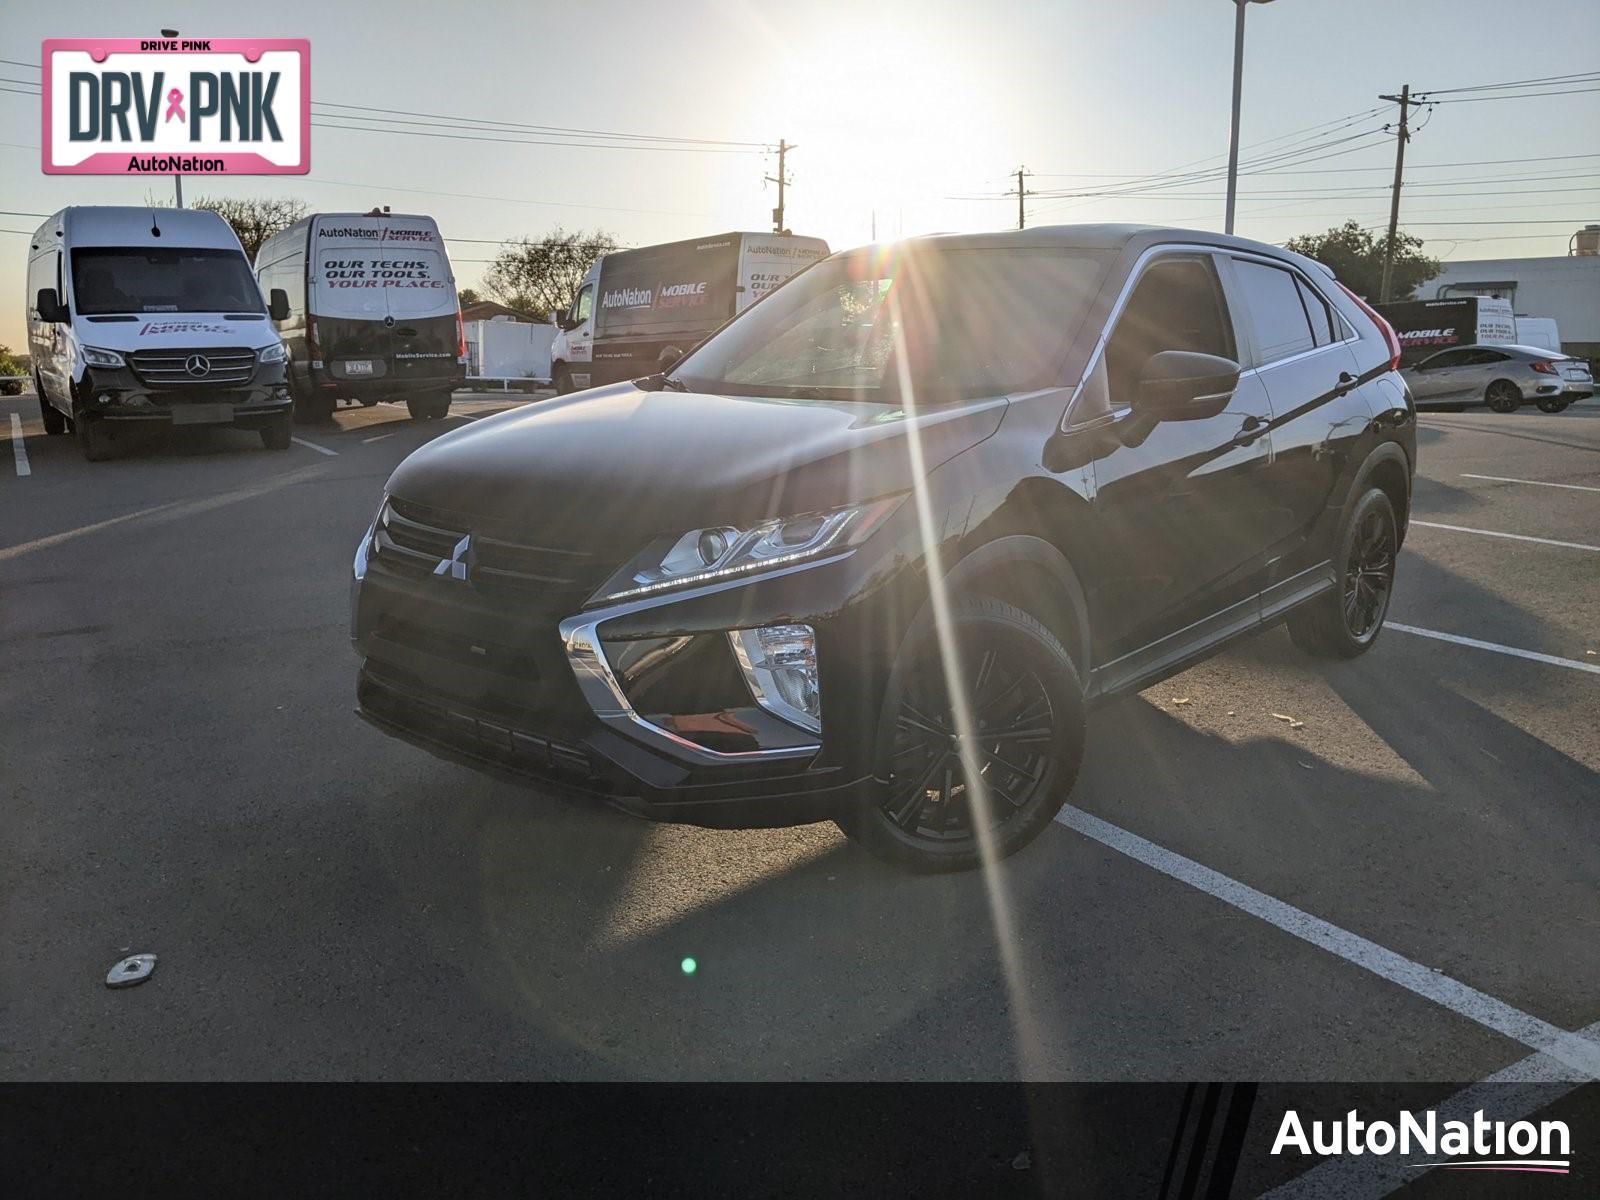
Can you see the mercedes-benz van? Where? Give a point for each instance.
(372, 314)
(141, 316)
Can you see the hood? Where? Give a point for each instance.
(159, 331)
(618, 465)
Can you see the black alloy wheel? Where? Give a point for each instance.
(1369, 574)
(1025, 706)
(1503, 397)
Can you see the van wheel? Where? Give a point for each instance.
(93, 438)
(429, 408)
(563, 381)
(1346, 621)
(1026, 707)
(276, 434)
(1502, 396)
(314, 409)
(55, 421)
(1554, 404)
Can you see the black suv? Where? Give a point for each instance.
(868, 552)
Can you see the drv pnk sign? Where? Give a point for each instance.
(177, 106)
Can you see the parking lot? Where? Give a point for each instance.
(1398, 882)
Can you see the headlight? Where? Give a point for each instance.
(722, 551)
(102, 358)
(273, 353)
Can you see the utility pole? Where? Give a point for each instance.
(1022, 212)
(1404, 136)
(777, 213)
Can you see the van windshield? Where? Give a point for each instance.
(968, 321)
(122, 280)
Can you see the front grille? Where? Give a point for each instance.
(176, 368)
(417, 541)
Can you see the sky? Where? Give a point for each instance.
(908, 117)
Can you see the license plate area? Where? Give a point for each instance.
(358, 366)
(202, 414)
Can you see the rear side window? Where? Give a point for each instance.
(1322, 323)
(1272, 299)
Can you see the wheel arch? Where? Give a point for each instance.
(1388, 469)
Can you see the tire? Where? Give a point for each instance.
(1015, 671)
(276, 435)
(1554, 404)
(313, 409)
(55, 421)
(1502, 396)
(429, 408)
(562, 379)
(1345, 622)
(93, 438)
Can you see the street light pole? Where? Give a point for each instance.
(1238, 85)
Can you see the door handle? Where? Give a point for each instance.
(1252, 428)
(1346, 382)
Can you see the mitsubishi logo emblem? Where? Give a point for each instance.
(197, 365)
(456, 565)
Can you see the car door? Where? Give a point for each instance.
(1430, 379)
(1178, 503)
(580, 340)
(1481, 368)
(1299, 349)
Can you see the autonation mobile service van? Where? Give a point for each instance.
(149, 316)
(373, 313)
(639, 311)
(1425, 326)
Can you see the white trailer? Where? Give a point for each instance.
(508, 354)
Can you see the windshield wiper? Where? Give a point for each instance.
(660, 382)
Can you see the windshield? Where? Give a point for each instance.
(119, 280)
(969, 321)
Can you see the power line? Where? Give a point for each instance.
(469, 137)
(476, 122)
(1517, 96)
(1515, 83)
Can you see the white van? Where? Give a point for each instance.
(372, 315)
(1539, 331)
(639, 311)
(150, 315)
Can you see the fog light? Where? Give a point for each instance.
(104, 399)
(780, 667)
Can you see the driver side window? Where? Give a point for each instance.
(583, 306)
(1176, 305)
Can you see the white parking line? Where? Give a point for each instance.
(1576, 1052)
(312, 446)
(1516, 537)
(1571, 487)
(1512, 1094)
(17, 448)
(1571, 664)
(378, 438)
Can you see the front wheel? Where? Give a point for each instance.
(1502, 396)
(55, 421)
(974, 781)
(93, 438)
(1346, 621)
(563, 381)
(277, 433)
(1554, 404)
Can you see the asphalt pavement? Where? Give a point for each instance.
(1404, 886)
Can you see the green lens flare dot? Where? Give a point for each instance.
(689, 966)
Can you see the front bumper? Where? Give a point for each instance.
(535, 697)
(119, 395)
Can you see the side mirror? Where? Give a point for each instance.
(278, 305)
(1180, 385)
(51, 310)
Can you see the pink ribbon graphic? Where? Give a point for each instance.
(175, 105)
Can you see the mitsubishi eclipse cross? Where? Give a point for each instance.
(869, 551)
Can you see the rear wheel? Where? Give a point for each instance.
(277, 433)
(1346, 621)
(93, 438)
(55, 421)
(1024, 704)
(1502, 396)
(1554, 404)
(429, 408)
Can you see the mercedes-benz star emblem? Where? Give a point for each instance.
(197, 365)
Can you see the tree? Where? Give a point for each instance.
(468, 297)
(255, 218)
(541, 276)
(12, 364)
(1356, 257)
